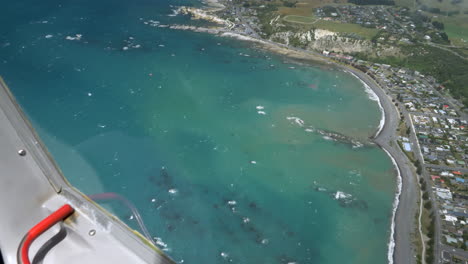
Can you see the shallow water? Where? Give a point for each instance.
(174, 126)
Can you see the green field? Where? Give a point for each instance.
(367, 33)
(300, 19)
(443, 5)
(456, 28)
(457, 34)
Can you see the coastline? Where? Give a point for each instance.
(399, 245)
(374, 97)
(401, 227)
(396, 202)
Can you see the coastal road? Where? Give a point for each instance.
(405, 213)
(425, 175)
(387, 139)
(404, 218)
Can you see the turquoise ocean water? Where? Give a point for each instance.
(173, 124)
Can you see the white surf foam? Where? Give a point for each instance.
(297, 120)
(342, 195)
(396, 202)
(76, 37)
(374, 97)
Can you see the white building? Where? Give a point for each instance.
(444, 193)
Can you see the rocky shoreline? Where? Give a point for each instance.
(400, 246)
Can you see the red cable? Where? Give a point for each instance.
(62, 213)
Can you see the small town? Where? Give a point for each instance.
(400, 24)
(433, 127)
(234, 131)
(433, 134)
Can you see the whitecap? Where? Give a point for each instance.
(374, 97)
(297, 120)
(76, 37)
(342, 195)
(396, 202)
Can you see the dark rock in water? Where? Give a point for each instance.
(290, 233)
(170, 228)
(283, 259)
(353, 203)
(320, 189)
(258, 239)
(165, 177)
(153, 179)
(158, 203)
(252, 229)
(361, 204)
(345, 203)
(164, 180)
(170, 214)
(177, 217)
(253, 206)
